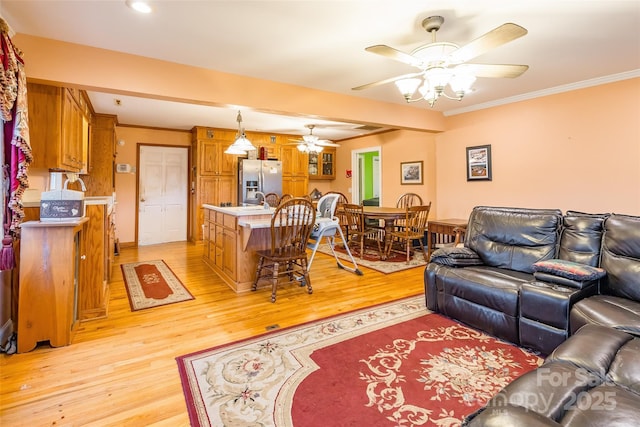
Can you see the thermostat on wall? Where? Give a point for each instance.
(124, 168)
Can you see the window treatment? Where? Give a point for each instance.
(15, 141)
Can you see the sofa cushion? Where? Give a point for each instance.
(581, 237)
(607, 310)
(455, 257)
(568, 269)
(621, 256)
(513, 238)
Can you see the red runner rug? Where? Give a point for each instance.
(389, 365)
(152, 284)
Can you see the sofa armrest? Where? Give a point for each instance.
(455, 257)
(563, 281)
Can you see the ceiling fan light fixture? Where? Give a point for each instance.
(407, 87)
(461, 82)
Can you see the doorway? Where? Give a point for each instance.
(162, 194)
(366, 164)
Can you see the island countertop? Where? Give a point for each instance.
(241, 210)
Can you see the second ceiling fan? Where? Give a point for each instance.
(311, 143)
(443, 63)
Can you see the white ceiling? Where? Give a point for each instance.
(320, 44)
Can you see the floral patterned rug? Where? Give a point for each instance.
(396, 262)
(390, 365)
(151, 284)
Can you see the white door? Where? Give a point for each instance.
(376, 176)
(162, 195)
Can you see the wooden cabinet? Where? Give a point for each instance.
(52, 270)
(295, 166)
(94, 295)
(230, 247)
(220, 247)
(214, 178)
(102, 153)
(58, 128)
(323, 165)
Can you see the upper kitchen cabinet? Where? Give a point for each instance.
(322, 165)
(58, 127)
(210, 145)
(100, 180)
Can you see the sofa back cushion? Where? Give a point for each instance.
(513, 238)
(621, 256)
(581, 237)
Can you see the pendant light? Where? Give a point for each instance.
(241, 145)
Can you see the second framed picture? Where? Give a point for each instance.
(411, 172)
(479, 163)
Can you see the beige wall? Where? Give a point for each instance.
(577, 150)
(126, 182)
(396, 147)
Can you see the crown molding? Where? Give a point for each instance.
(546, 92)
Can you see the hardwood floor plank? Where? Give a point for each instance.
(121, 370)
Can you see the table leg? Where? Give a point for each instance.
(389, 226)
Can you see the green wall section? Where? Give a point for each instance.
(368, 173)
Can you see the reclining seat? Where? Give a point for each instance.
(618, 305)
(505, 242)
(545, 303)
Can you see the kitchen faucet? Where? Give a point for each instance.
(264, 199)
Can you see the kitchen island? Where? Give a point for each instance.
(232, 235)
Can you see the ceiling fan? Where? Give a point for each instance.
(311, 143)
(443, 63)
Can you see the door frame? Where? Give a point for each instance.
(188, 189)
(356, 174)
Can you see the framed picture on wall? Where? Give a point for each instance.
(411, 172)
(479, 163)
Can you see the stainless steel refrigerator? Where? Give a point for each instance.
(258, 176)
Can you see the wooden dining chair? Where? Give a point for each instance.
(358, 232)
(408, 199)
(404, 201)
(415, 225)
(272, 199)
(291, 226)
(285, 197)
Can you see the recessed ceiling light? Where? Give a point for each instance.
(139, 6)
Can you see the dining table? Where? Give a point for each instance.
(389, 215)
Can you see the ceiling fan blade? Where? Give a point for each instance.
(326, 143)
(395, 54)
(494, 38)
(493, 70)
(385, 81)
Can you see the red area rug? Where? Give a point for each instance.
(389, 365)
(152, 284)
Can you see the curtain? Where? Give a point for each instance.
(16, 147)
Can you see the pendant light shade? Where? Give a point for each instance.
(241, 145)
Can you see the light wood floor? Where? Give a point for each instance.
(122, 370)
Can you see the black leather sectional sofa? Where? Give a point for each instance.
(564, 285)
